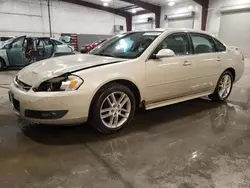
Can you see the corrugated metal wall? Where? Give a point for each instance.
(88, 38)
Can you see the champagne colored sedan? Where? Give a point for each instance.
(151, 68)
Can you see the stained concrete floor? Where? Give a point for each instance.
(195, 144)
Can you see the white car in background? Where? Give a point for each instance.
(62, 47)
(151, 68)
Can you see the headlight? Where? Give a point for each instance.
(62, 83)
(71, 84)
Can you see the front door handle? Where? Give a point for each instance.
(187, 63)
(218, 59)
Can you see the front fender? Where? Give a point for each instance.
(113, 80)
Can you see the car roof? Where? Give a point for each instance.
(56, 39)
(37, 37)
(172, 30)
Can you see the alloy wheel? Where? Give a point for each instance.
(225, 86)
(115, 109)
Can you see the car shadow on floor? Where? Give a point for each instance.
(143, 121)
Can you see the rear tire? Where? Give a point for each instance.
(113, 108)
(223, 88)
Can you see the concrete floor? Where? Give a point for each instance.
(192, 144)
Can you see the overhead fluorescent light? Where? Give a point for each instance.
(134, 11)
(171, 3)
(105, 4)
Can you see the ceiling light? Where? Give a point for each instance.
(190, 7)
(134, 11)
(171, 3)
(105, 4)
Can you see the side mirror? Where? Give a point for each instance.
(7, 46)
(165, 53)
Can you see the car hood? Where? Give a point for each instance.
(38, 72)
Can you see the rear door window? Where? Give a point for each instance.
(57, 42)
(47, 42)
(40, 43)
(202, 43)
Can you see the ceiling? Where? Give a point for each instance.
(119, 4)
(112, 3)
(164, 2)
(156, 2)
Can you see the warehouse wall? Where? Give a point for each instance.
(84, 39)
(31, 17)
(182, 8)
(214, 15)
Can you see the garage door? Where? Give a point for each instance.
(181, 23)
(235, 30)
(140, 26)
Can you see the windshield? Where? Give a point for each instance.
(128, 45)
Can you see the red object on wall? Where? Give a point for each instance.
(88, 47)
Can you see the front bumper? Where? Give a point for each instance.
(50, 107)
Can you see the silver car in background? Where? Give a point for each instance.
(62, 47)
(21, 51)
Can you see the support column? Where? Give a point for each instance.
(50, 28)
(204, 18)
(129, 22)
(158, 19)
(204, 4)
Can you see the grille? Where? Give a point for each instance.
(22, 85)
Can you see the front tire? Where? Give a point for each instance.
(223, 88)
(113, 108)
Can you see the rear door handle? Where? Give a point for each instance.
(187, 63)
(218, 59)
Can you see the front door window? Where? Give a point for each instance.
(178, 43)
(18, 43)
